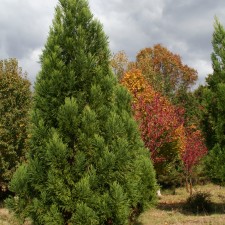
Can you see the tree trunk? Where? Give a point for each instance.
(187, 184)
(190, 185)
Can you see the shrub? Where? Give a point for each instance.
(199, 202)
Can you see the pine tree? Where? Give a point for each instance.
(215, 95)
(15, 99)
(87, 163)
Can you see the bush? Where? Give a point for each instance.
(199, 202)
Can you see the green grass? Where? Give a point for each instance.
(169, 210)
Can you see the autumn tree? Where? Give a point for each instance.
(87, 163)
(215, 95)
(171, 141)
(119, 63)
(15, 100)
(194, 150)
(167, 75)
(160, 123)
(165, 71)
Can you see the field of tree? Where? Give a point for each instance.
(99, 135)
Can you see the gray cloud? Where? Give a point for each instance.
(24, 27)
(184, 27)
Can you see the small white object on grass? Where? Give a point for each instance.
(159, 193)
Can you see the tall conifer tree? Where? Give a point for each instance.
(215, 95)
(87, 163)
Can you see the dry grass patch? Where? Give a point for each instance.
(7, 218)
(170, 209)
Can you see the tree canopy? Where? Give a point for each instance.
(15, 101)
(214, 95)
(165, 70)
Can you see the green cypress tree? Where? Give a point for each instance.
(15, 99)
(87, 163)
(215, 96)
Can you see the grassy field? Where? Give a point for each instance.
(169, 209)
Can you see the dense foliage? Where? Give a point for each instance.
(195, 149)
(214, 94)
(165, 71)
(173, 145)
(87, 163)
(167, 75)
(15, 100)
(159, 121)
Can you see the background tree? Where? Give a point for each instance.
(119, 63)
(15, 100)
(202, 96)
(167, 75)
(160, 123)
(215, 95)
(165, 71)
(87, 163)
(175, 142)
(195, 149)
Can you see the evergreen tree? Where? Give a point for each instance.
(215, 95)
(15, 99)
(87, 163)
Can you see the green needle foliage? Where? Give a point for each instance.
(87, 163)
(215, 96)
(15, 99)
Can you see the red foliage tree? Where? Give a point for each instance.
(159, 121)
(162, 126)
(195, 150)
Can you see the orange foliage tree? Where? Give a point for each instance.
(160, 122)
(165, 70)
(157, 79)
(162, 128)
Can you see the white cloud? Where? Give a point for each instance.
(30, 64)
(203, 67)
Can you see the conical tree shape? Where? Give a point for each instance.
(215, 95)
(87, 163)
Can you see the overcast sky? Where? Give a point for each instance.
(183, 26)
